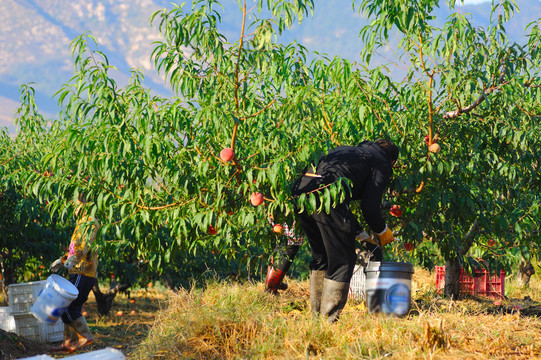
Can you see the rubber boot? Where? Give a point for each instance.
(333, 298)
(70, 338)
(274, 280)
(83, 332)
(316, 289)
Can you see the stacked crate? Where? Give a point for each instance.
(482, 283)
(357, 284)
(7, 322)
(21, 297)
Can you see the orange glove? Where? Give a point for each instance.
(386, 236)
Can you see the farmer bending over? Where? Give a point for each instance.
(332, 235)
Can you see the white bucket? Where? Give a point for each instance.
(53, 300)
(388, 287)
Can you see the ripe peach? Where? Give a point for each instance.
(409, 246)
(256, 198)
(396, 211)
(278, 229)
(119, 313)
(434, 148)
(212, 230)
(132, 312)
(227, 154)
(491, 242)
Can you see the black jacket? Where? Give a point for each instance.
(369, 170)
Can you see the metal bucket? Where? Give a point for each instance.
(388, 287)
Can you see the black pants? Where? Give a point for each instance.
(332, 241)
(331, 235)
(84, 284)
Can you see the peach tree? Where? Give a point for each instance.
(468, 112)
(203, 170)
(152, 166)
(30, 239)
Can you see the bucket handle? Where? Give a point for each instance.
(371, 253)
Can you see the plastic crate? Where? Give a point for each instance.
(7, 322)
(22, 296)
(31, 328)
(481, 284)
(357, 285)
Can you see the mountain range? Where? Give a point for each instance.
(35, 37)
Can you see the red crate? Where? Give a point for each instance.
(482, 284)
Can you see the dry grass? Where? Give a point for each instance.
(240, 321)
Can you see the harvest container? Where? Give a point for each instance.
(7, 322)
(388, 287)
(22, 296)
(31, 328)
(357, 288)
(54, 299)
(481, 284)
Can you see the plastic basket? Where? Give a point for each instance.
(357, 285)
(481, 284)
(31, 328)
(22, 296)
(7, 322)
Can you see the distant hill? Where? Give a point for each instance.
(35, 37)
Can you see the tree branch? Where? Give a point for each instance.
(469, 237)
(476, 103)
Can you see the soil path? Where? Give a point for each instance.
(124, 328)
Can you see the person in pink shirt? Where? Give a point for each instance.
(81, 262)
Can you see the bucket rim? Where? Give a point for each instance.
(30, 283)
(56, 280)
(376, 266)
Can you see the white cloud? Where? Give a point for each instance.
(307, 40)
(339, 32)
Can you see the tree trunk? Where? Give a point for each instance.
(4, 293)
(104, 301)
(452, 266)
(452, 278)
(525, 272)
(8, 278)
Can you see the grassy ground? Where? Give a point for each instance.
(241, 321)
